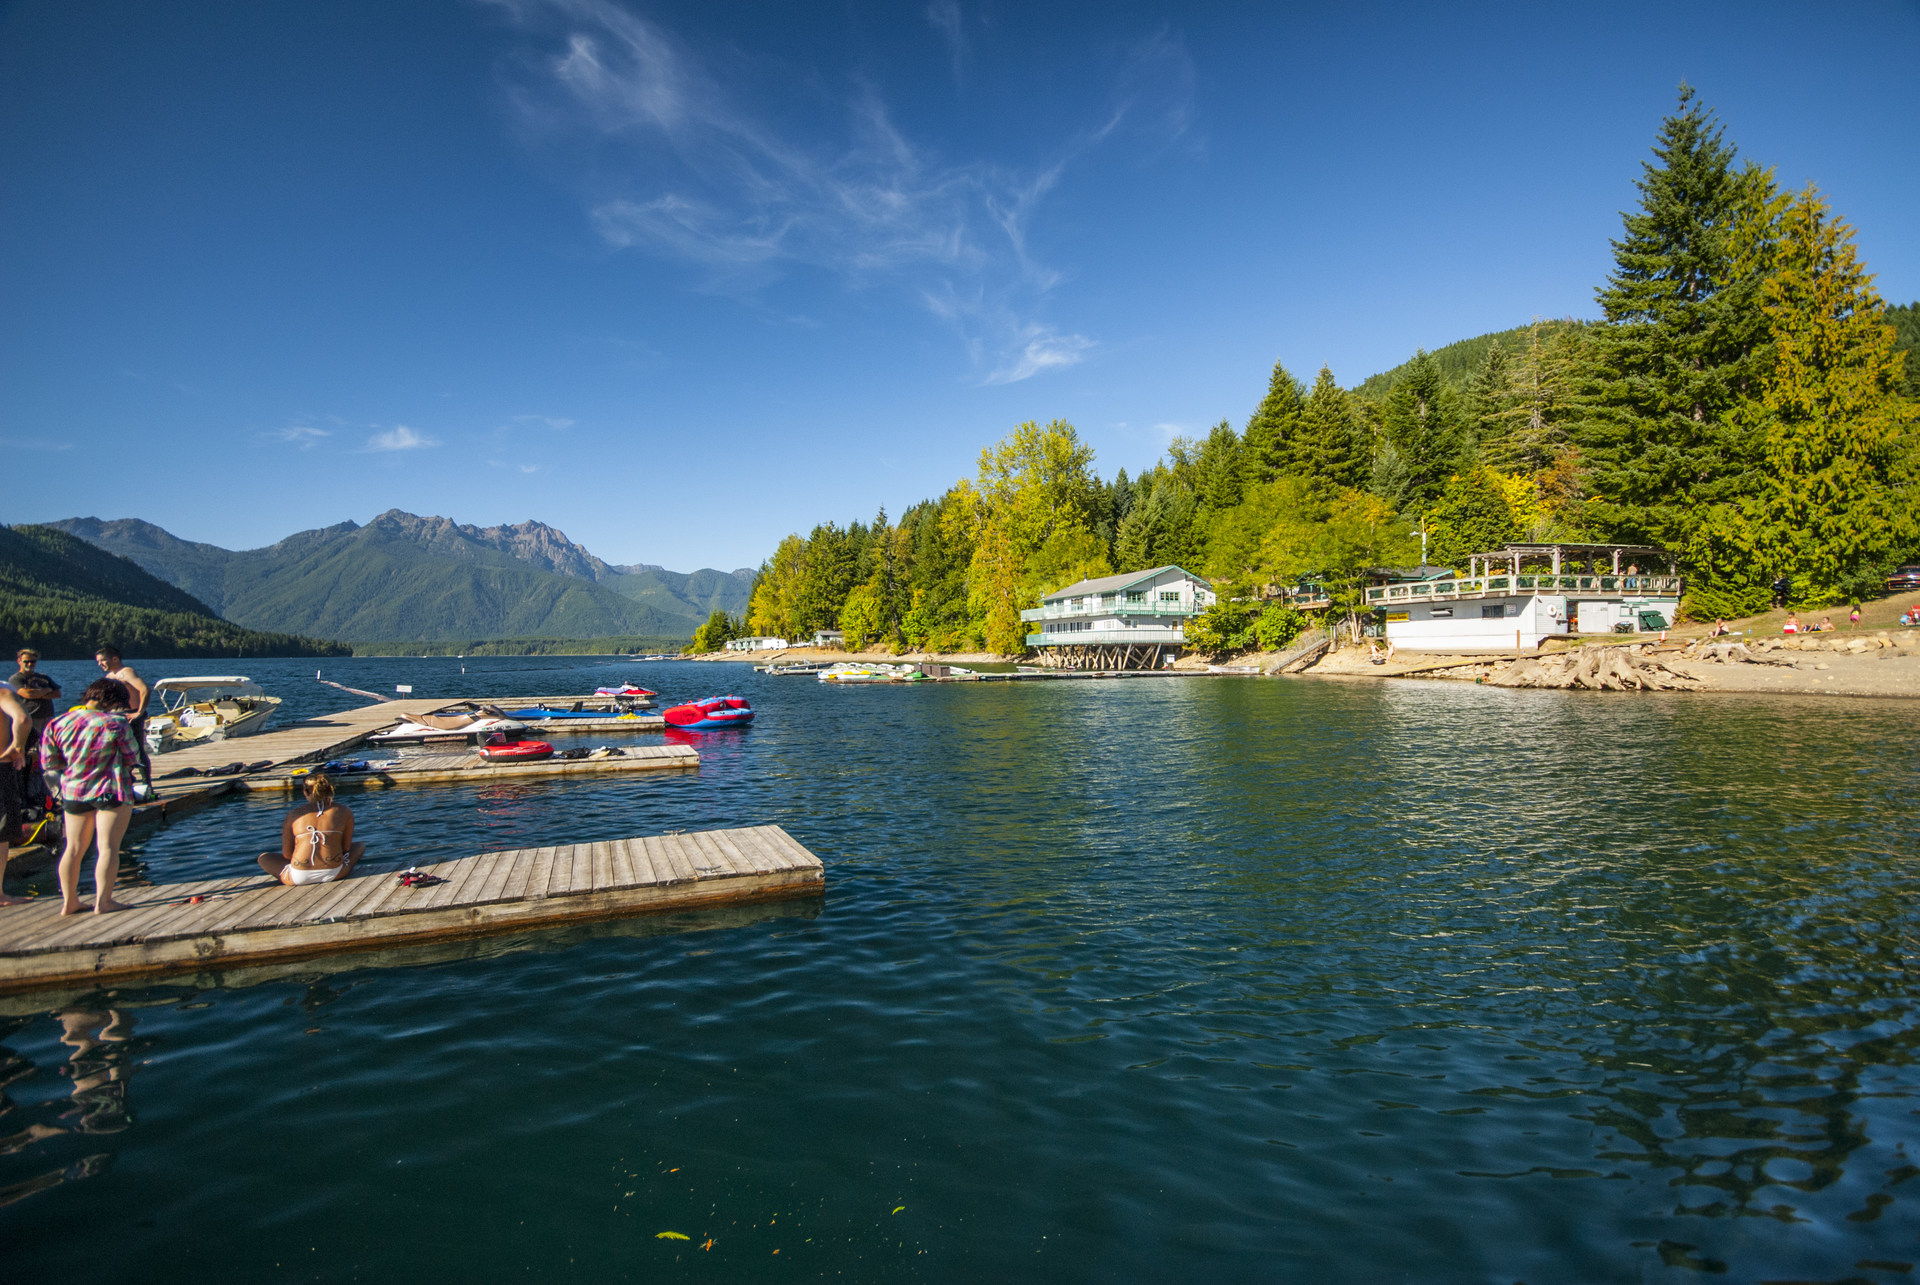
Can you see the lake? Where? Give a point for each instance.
(1172, 979)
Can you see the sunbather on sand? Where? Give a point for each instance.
(316, 841)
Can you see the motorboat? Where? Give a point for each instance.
(711, 714)
(791, 668)
(200, 711)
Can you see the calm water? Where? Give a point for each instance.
(1157, 980)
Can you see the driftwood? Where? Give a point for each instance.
(1611, 669)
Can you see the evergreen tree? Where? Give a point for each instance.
(1420, 427)
(1687, 342)
(1905, 319)
(1220, 469)
(1840, 437)
(1489, 392)
(1332, 449)
(1272, 445)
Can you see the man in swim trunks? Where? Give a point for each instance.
(107, 656)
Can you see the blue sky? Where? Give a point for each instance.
(679, 278)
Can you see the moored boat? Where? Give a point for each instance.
(200, 711)
(711, 714)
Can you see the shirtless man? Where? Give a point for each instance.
(13, 794)
(107, 656)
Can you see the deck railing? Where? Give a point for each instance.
(1059, 611)
(1508, 584)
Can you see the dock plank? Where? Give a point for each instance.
(622, 873)
(602, 875)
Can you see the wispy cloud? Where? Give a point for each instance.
(554, 422)
(704, 180)
(300, 436)
(1045, 351)
(947, 19)
(400, 438)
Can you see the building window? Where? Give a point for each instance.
(1492, 613)
(1170, 595)
(1136, 595)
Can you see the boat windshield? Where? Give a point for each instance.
(176, 693)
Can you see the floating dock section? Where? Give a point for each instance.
(230, 923)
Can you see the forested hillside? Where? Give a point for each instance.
(63, 597)
(1742, 402)
(413, 579)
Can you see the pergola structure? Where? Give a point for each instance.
(1513, 556)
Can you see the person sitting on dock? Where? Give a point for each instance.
(316, 840)
(91, 749)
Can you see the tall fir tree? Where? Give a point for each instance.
(1333, 448)
(1489, 392)
(1272, 436)
(1687, 342)
(1420, 434)
(1840, 436)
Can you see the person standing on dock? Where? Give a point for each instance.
(92, 749)
(316, 840)
(107, 656)
(13, 794)
(35, 690)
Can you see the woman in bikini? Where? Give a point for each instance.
(316, 843)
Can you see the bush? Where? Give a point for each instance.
(1278, 626)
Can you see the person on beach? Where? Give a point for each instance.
(107, 656)
(92, 751)
(1825, 626)
(1853, 617)
(316, 840)
(13, 792)
(1719, 629)
(1792, 626)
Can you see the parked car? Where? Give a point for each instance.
(1904, 579)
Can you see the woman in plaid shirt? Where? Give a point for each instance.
(93, 751)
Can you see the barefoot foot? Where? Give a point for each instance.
(106, 906)
(13, 901)
(71, 906)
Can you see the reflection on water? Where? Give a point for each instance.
(101, 1057)
(1151, 980)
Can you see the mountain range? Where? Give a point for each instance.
(63, 597)
(406, 578)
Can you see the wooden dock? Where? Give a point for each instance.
(252, 920)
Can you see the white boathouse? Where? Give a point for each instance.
(1136, 620)
(1517, 597)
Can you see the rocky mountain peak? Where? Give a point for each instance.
(531, 542)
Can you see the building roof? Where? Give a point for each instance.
(1113, 584)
